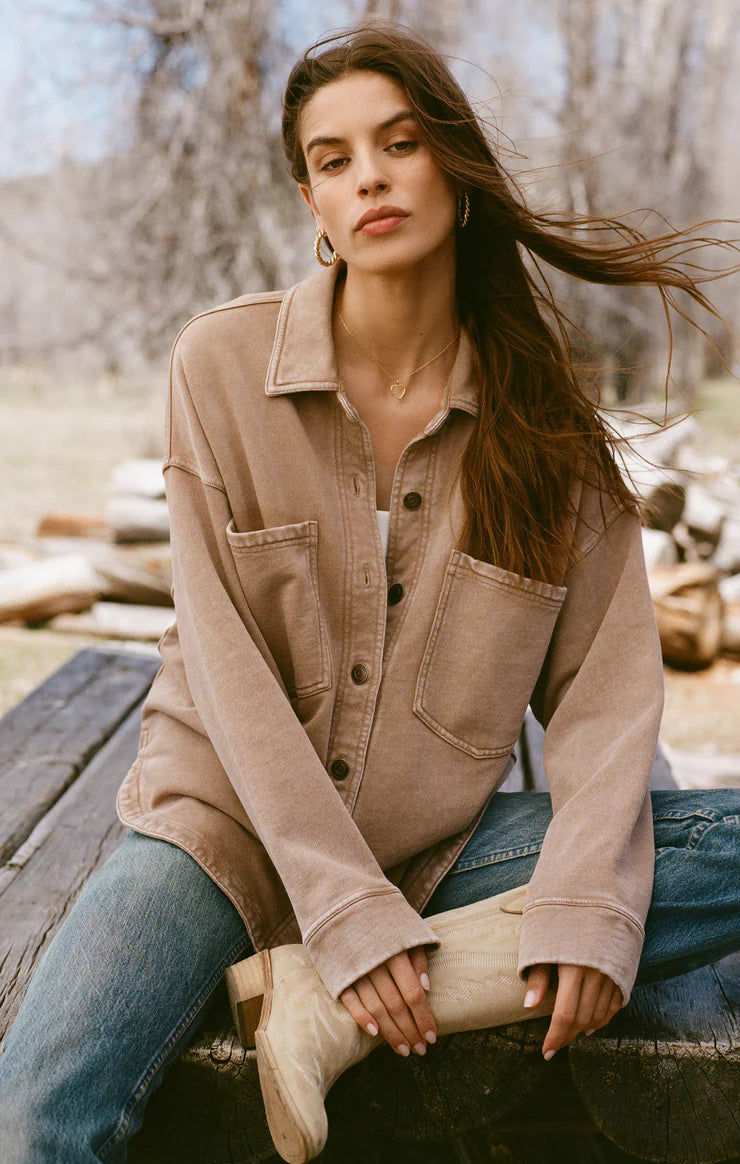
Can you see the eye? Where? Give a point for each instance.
(330, 165)
(402, 143)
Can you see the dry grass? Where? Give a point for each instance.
(60, 442)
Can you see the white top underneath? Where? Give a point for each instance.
(384, 517)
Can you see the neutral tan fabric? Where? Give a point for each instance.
(325, 753)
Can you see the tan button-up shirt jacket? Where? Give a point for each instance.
(325, 754)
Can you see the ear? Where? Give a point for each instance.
(308, 199)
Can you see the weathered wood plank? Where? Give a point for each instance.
(47, 739)
(42, 879)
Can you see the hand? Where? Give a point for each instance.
(391, 1000)
(586, 999)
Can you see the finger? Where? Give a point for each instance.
(373, 1003)
(419, 961)
(565, 1010)
(420, 1018)
(359, 1012)
(602, 1011)
(590, 994)
(538, 982)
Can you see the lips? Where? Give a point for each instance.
(380, 212)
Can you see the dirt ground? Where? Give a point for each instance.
(60, 442)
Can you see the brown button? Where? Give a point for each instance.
(412, 500)
(340, 768)
(395, 593)
(359, 673)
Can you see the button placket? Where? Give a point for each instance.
(364, 625)
(367, 638)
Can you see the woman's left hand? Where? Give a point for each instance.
(586, 999)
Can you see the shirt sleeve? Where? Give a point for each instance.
(600, 699)
(351, 916)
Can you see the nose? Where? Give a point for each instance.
(371, 177)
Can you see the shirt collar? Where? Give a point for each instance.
(302, 357)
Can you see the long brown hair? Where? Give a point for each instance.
(537, 426)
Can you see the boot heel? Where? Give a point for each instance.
(246, 983)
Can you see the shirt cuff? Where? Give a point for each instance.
(584, 934)
(356, 937)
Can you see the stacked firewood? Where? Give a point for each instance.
(691, 536)
(113, 577)
(109, 577)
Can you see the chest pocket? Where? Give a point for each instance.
(485, 650)
(278, 573)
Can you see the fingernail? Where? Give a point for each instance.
(591, 1031)
(371, 1027)
(529, 997)
(430, 1036)
(403, 1049)
(549, 1054)
(425, 980)
(420, 1048)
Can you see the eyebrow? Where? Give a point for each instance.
(317, 141)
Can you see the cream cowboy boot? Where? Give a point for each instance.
(305, 1039)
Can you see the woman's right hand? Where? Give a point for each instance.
(391, 1000)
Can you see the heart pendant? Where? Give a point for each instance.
(398, 385)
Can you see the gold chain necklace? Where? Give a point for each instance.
(397, 388)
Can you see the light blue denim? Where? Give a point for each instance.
(127, 980)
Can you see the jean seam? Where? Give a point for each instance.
(495, 858)
(709, 815)
(140, 1091)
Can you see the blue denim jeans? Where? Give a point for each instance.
(127, 980)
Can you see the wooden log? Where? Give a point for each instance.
(730, 644)
(12, 554)
(663, 504)
(688, 610)
(117, 620)
(727, 554)
(661, 490)
(72, 525)
(729, 588)
(48, 738)
(138, 519)
(43, 878)
(662, 1080)
(138, 475)
(659, 548)
(464, 1083)
(704, 518)
(136, 573)
(125, 573)
(42, 589)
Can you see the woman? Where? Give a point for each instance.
(321, 746)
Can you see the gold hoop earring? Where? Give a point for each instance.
(317, 243)
(465, 201)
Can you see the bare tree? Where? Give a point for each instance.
(647, 82)
(193, 205)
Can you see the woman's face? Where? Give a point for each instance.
(368, 164)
